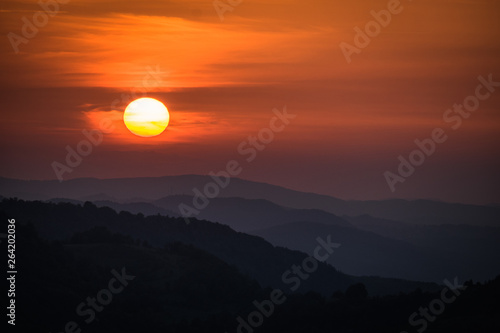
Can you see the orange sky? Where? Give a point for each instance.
(221, 79)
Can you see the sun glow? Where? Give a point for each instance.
(146, 117)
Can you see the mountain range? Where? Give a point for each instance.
(422, 240)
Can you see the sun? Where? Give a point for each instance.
(146, 117)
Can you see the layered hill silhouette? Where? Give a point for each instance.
(252, 255)
(153, 188)
(206, 274)
(440, 251)
(423, 239)
(169, 285)
(180, 288)
(250, 214)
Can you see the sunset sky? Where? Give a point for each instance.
(221, 79)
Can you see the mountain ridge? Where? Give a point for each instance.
(419, 211)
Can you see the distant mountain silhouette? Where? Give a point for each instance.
(252, 255)
(149, 189)
(400, 254)
(367, 253)
(439, 238)
(362, 252)
(132, 207)
(475, 248)
(251, 214)
(179, 288)
(405, 250)
(171, 284)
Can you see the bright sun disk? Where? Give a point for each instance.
(146, 117)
